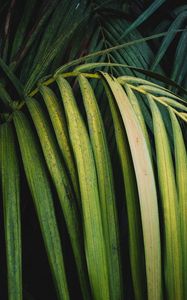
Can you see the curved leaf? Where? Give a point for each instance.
(93, 228)
(10, 178)
(106, 187)
(65, 194)
(136, 247)
(38, 182)
(146, 187)
(181, 180)
(172, 251)
(59, 124)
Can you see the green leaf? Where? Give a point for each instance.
(64, 190)
(136, 80)
(93, 228)
(172, 251)
(5, 97)
(144, 16)
(177, 23)
(174, 103)
(22, 26)
(135, 237)
(108, 50)
(181, 180)
(49, 56)
(179, 65)
(60, 127)
(106, 187)
(14, 80)
(39, 185)
(35, 31)
(154, 75)
(158, 77)
(146, 187)
(10, 179)
(158, 91)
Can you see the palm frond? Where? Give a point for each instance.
(95, 141)
(43, 200)
(10, 178)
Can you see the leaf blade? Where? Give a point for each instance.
(63, 188)
(143, 169)
(11, 205)
(106, 186)
(42, 197)
(169, 202)
(181, 179)
(94, 239)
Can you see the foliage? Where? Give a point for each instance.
(93, 161)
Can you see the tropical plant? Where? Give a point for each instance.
(93, 161)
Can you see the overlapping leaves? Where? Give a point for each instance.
(94, 144)
(81, 169)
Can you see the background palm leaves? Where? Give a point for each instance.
(92, 156)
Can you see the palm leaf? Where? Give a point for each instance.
(10, 179)
(136, 248)
(146, 187)
(106, 187)
(60, 127)
(42, 196)
(93, 228)
(63, 188)
(181, 177)
(169, 201)
(100, 143)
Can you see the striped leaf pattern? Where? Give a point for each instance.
(61, 139)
